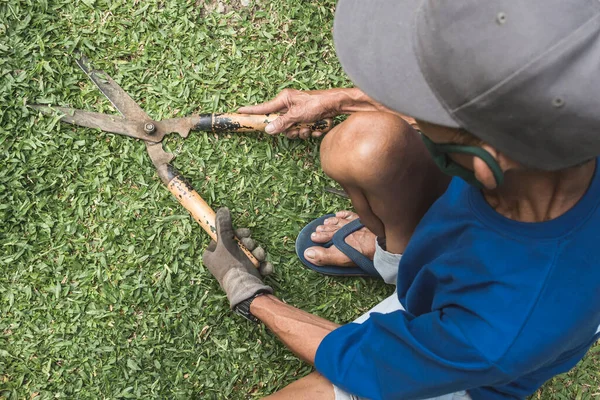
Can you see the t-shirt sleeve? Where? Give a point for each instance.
(392, 356)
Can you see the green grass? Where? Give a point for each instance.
(102, 292)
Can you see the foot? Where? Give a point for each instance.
(362, 240)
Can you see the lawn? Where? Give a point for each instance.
(102, 291)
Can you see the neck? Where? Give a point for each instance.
(537, 196)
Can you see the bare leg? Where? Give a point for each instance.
(383, 165)
(311, 387)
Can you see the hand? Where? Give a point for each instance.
(297, 106)
(229, 265)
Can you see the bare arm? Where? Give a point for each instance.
(355, 100)
(300, 331)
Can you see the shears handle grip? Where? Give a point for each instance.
(250, 123)
(199, 209)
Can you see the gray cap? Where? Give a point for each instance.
(522, 75)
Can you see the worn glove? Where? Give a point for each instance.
(229, 265)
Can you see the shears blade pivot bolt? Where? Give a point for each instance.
(149, 128)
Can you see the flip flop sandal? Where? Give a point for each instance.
(364, 265)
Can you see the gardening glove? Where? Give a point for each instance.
(244, 234)
(238, 277)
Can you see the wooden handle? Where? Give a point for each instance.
(200, 210)
(250, 123)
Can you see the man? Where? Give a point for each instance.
(497, 273)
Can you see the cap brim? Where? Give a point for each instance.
(374, 43)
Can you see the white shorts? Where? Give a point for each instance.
(341, 395)
(387, 265)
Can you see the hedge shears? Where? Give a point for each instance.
(135, 123)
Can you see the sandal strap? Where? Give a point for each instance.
(339, 240)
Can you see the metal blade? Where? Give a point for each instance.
(121, 100)
(113, 92)
(105, 122)
(161, 159)
(181, 126)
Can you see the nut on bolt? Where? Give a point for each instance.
(149, 128)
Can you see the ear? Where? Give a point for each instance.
(483, 173)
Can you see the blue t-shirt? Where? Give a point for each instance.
(493, 306)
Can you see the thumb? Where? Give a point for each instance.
(281, 124)
(223, 225)
(225, 232)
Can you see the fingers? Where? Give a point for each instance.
(280, 103)
(266, 268)
(249, 243)
(304, 133)
(243, 233)
(292, 134)
(271, 106)
(259, 253)
(295, 106)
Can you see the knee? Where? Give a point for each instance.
(364, 145)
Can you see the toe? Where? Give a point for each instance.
(326, 228)
(322, 256)
(345, 214)
(332, 221)
(321, 237)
